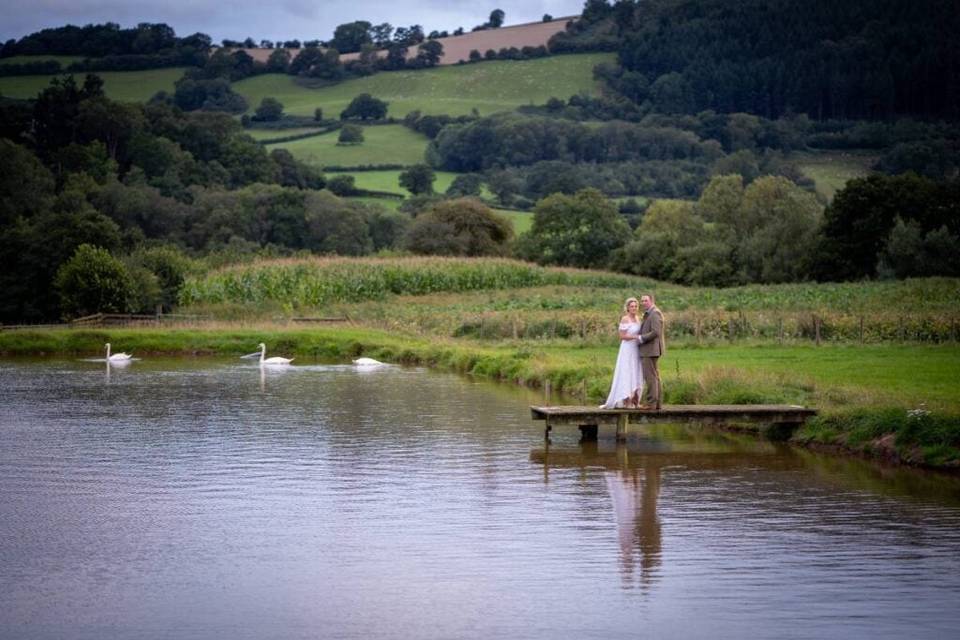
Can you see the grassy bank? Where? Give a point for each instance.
(865, 394)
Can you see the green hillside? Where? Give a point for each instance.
(125, 86)
(383, 144)
(63, 60)
(454, 90)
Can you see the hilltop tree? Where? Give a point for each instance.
(381, 33)
(279, 61)
(350, 37)
(496, 18)
(428, 54)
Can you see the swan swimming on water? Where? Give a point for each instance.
(117, 357)
(265, 360)
(367, 362)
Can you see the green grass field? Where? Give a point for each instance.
(383, 144)
(830, 171)
(521, 220)
(124, 86)
(387, 203)
(454, 90)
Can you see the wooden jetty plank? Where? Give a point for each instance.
(781, 417)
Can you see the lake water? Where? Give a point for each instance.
(205, 498)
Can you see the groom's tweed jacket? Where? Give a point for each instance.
(651, 330)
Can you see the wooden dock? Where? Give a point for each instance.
(778, 420)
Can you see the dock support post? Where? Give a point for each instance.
(588, 432)
(623, 421)
(779, 431)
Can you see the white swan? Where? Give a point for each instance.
(117, 357)
(273, 360)
(367, 362)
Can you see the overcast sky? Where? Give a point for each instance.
(269, 19)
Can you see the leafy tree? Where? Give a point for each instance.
(342, 185)
(381, 33)
(580, 230)
(350, 134)
(463, 226)
(313, 62)
(396, 57)
(387, 228)
(91, 159)
(465, 184)
(429, 54)
(781, 222)
(350, 37)
(912, 253)
(57, 108)
(335, 226)
(365, 107)
(418, 179)
(475, 56)
(93, 281)
(270, 110)
(294, 173)
(279, 61)
(26, 186)
(318, 114)
(496, 18)
(858, 221)
(169, 266)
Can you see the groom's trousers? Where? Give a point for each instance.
(652, 390)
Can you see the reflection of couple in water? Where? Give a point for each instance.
(638, 528)
(636, 378)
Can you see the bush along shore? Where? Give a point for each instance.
(886, 428)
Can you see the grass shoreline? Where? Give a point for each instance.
(880, 422)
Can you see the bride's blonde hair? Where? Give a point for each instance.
(627, 304)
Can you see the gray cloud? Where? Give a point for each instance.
(286, 19)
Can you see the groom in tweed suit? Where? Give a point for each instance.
(651, 348)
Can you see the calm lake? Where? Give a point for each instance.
(207, 498)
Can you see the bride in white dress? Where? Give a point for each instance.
(627, 377)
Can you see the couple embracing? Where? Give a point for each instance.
(636, 379)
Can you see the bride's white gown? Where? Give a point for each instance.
(627, 377)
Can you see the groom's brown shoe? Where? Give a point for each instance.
(644, 407)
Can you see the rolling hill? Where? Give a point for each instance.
(487, 87)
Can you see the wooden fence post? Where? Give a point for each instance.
(546, 391)
(730, 328)
(780, 330)
(816, 328)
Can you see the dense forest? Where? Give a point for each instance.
(683, 168)
(871, 59)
